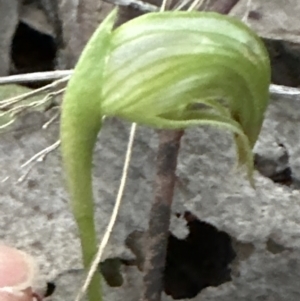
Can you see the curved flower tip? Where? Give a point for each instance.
(16, 275)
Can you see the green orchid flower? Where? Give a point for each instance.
(168, 70)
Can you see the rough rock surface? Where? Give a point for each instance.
(271, 19)
(8, 23)
(35, 214)
(264, 224)
(277, 22)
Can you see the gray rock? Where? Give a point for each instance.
(35, 215)
(271, 19)
(9, 17)
(264, 223)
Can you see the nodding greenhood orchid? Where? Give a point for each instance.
(168, 70)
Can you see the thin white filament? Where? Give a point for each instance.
(163, 5)
(196, 4)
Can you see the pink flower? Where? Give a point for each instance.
(17, 271)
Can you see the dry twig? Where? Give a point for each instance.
(137, 4)
(34, 77)
(15, 110)
(51, 120)
(7, 103)
(159, 219)
(37, 158)
(284, 92)
(40, 156)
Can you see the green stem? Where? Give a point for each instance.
(87, 236)
(81, 121)
(78, 139)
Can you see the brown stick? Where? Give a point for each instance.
(159, 219)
